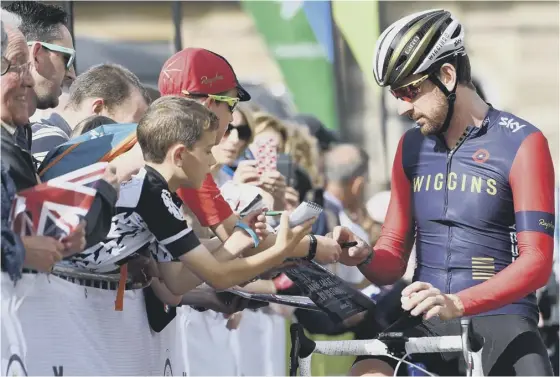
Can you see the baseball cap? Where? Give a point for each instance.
(198, 71)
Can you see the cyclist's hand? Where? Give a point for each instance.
(422, 298)
(354, 255)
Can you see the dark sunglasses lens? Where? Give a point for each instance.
(406, 94)
(244, 132)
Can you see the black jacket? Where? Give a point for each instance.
(21, 168)
(13, 251)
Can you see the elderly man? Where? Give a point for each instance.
(35, 252)
(51, 54)
(51, 49)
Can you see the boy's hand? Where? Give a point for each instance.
(257, 221)
(287, 238)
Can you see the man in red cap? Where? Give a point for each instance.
(208, 77)
(199, 73)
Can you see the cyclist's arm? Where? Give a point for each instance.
(532, 184)
(392, 250)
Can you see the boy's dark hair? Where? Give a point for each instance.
(91, 123)
(39, 21)
(170, 120)
(112, 82)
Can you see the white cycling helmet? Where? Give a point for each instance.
(414, 44)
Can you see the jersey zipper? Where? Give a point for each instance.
(450, 154)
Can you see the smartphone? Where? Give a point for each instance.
(266, 155)
(284, 165)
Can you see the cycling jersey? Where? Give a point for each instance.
(482, 214)
(149, 218)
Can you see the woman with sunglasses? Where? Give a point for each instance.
(238, 136)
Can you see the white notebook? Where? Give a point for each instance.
(305, 211)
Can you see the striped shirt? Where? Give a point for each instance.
(48, 134)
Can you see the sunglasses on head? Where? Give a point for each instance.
(409, 91)
(69, 54)
(243, 131)
(230, 101)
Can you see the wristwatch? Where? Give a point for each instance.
(366, 261)
(312, 248)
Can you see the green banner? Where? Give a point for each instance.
(358, 22)
(302, 60)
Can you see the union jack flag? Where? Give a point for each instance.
(54, 208)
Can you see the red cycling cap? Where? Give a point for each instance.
(198, 71)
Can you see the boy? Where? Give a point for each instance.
(176, 136)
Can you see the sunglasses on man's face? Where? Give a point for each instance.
(243, 131)
(68, 54)
(231, 101)
(409, 91)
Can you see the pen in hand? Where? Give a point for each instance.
(346, 245)
(273, 213)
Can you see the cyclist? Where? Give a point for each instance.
(475, 187)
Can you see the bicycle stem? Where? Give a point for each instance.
(465, 322)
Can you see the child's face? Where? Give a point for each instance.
(197, 161)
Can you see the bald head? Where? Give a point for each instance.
(9, 23)
(345, 162)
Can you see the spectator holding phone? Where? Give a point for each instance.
(238, 136)
(270, 139)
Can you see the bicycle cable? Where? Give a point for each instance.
(402, 360)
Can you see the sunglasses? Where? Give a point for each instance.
(243, 131)
(409, 91)
(69, 54)
(230, 101)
